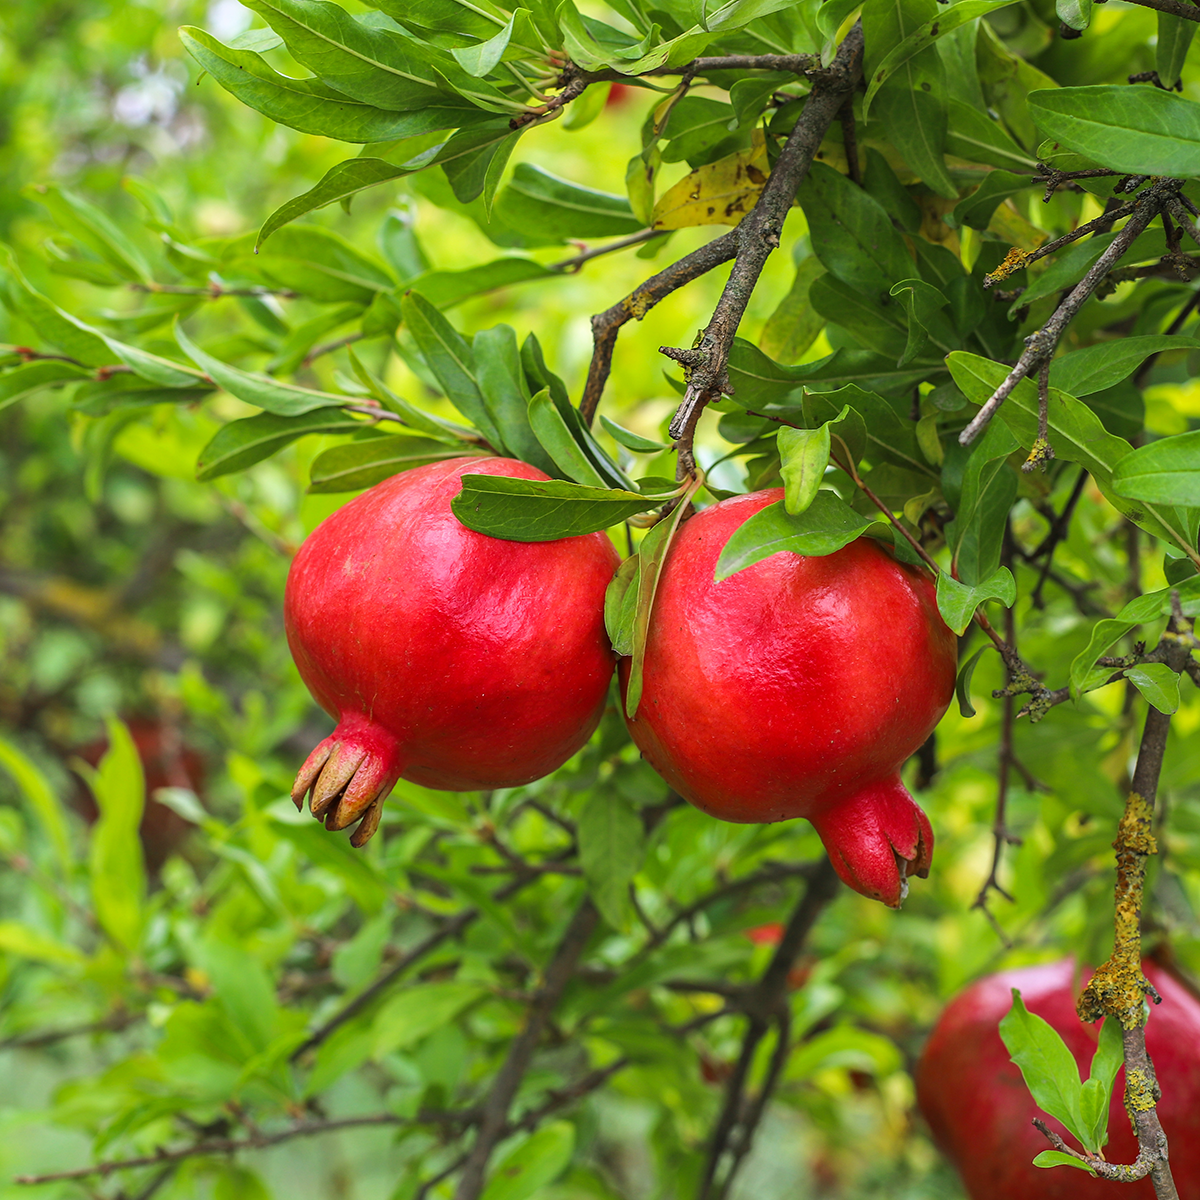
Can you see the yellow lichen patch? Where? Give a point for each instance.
(1014, 260)
(1118, 987)
(1141, 1094)
(719, 193)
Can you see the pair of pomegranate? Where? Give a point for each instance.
(795, 688)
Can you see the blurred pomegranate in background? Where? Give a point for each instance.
(166, 762)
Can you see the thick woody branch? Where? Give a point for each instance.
(765, 1006)
(1118, 988)
(757, 235)
(1189, 12)
(494, 1116)
(1040, 346)
(606, 325)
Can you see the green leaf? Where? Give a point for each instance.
(478, 60)
(957, 602)
(444, 289)
(239, 444)
(323, 266)
(924, 36)
(977, 209)
(1140, 130)
(338, 183)
(761, 381)
(503, 387)
(611, 846)
(973, 135)
(450, 359)
(532, 1165)
(118, 873)
(1170, 51)
(620, 606)
(556, 437)
(1106, 1062)
(1158, 684)
(1095, 368)
(244, 988)
(962, 685)
(795, 324)
(535, 510)
(371, 64)
(989, 487)
(652, 554)
(362, 464)
(282, 399)
(850, 231)
(827, 525)
(94, 228)
(416, 1012)
(36, 789)
(630, 440)
(1163, 472)
(25, 942)
(1076, 434)
(1056, 1158)
(1047, 1067)
(556, 207)
(1077, 14)
(310, 106)
(804, 455)
(31, 377)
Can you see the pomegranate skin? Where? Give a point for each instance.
(453, 659)
(980, 1111)
(797, 688)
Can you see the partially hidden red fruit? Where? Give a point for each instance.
(981, 1112)
(167, 761)
(455, 660)
(797, 688)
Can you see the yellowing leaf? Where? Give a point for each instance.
(719, 193)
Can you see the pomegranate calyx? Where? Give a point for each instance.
(877, 838)
(348, 777)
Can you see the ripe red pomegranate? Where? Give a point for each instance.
(980, 1111)
(455, 660)
(797, 688)
(166, 762)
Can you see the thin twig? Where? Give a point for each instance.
(254, 1141)
(571, 265)
(452, 928)
(1040, 346)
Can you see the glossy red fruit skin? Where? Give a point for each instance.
(456, 660)
(980, 1111)
(797, 688)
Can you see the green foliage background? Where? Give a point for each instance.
(128, 587)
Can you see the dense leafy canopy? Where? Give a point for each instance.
(203, 353)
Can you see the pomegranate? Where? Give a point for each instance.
(455, 660)
(797, 688)
(980, 1111)
(166, 762)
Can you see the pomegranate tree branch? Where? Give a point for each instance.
(1189, 12)
(253, 1141)
(757, 235)
(607, 325)
(449, 929)
(1040, 345)
(766, 1005)
(494, 1116)
(1118, 988)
